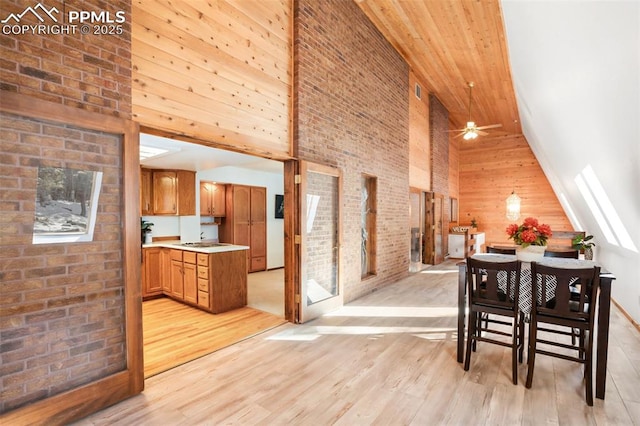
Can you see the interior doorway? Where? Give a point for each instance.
(265, 290)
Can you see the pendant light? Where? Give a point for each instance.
(513, 206)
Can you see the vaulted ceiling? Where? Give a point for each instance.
(449, 44)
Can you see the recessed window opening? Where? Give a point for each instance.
(368, 226)
(610, 213)
(595, 211)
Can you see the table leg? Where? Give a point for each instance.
(462, 271)
(602, 345)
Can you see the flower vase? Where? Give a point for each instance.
(530, 253)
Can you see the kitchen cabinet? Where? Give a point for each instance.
(184, 283)
(146, 185)
(212, 199)
(214, 282)
(246, 223)
(222, 281)
(151, 272)
(167, 192)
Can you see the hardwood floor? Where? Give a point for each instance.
(175, 333)
(386, 358)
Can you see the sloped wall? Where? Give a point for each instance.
(352, 112)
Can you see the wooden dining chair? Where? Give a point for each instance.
(493, 288)
(500, 250)
(565, 313)
(569, 254)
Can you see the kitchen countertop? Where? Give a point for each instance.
(178, 245)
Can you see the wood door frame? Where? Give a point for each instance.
(84, 400)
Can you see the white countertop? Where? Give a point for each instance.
(178, 245)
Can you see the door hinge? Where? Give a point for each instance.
(297, 239)
(297, 179)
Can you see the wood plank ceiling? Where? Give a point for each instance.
(449, 43)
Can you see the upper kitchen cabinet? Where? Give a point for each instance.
(212, 199)
(167, 192)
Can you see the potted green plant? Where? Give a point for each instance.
(584, 244)
(474, 223)
(145, 229)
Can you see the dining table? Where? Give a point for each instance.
(603, 308)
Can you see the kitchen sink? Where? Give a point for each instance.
(204, 244)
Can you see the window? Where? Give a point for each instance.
(368, 226)
(453, 209)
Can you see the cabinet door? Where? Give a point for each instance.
(241, 215)
(218, 201)
(146, 185)
(258, 229)
(165, 192)
(165, 265)
(206, 196)
(190, 282)
(152, 284)
(177, 283)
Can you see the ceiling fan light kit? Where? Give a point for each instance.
(471, 131)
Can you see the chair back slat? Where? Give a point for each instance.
(493, 282)
(556, 283)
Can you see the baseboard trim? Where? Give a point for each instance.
(626, 315)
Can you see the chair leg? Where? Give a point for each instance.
(531, 356)
(521, 336)
(589, 369)
(473, 321)
(515, 340)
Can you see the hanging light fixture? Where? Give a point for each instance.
(513, 206)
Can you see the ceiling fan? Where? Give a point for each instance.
(471, 130)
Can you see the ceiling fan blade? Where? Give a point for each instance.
(490, 126)
(481, 133)
(456, 130)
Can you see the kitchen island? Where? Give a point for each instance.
(207, 275)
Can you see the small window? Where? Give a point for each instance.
(368, 209)
(418, 91)
(453, 212)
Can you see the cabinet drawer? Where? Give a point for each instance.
(203, 273)
(203, 299)
(203, 259)
(258, 263)
(203, 285)
(176, 255)
(189, 257)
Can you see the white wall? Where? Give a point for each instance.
(576, 70)
(274, 182)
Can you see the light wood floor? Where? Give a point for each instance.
(175, 333)
(387, 358)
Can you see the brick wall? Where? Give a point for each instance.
(438, 127)
(62, 306)
(351, 111)
(87, 71)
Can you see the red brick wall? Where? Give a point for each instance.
(61, 305)
(91, 72)
(352, 112)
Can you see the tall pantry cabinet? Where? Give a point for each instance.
(246, 223)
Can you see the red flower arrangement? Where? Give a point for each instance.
(530, 233)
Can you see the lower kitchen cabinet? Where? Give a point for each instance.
(152, 271)
(214, 282)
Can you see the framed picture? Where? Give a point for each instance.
(279, 206)
(66, 205)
